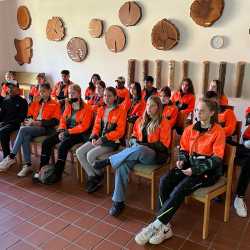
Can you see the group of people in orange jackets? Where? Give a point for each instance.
(97, 123)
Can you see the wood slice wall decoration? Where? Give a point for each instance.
(222, 74)
(171, 73)
(77, 49)
(240, 72)
(24, 50)
(206, 12)
(145, 69)
(115, 38)
(55, 30)
(23, 17)
(158, 73)
(165, 35)
(131, 71)
(130, 13)
(184, 69)
(96, 28)
(205, 76)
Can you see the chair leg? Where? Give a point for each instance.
(53, 156)
(81, 175)
(71, 157)
(153, 196)
(108, 169)
(206, 219)
(35, 149)
(227, 206)
(77, 169)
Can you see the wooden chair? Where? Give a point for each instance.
(224, 185)
(237, 133)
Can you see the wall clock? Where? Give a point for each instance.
(217, 42)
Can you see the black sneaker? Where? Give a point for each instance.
(101, 164)
(93, 184)
(117, 208)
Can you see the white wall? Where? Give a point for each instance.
(51, 57)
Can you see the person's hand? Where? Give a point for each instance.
(27, 122)
(180, 164)
(61, 136)
(93, 141)
(187, 172)
(98, 142)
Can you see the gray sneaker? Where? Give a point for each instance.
(6, 163)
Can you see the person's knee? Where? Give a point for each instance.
(91, 157)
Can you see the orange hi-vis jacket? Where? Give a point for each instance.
(161, 134)
(124, 95)
(152, 92)
(114, 129)
(210, 143)
(96, 102)
(137, 108)
(4, 90)
(57, 89)
(228, 121)
(84, 118)
(184, 99)
(223, 100)
(246, 134)
(51, 110)
(170, 113)
(89, 93)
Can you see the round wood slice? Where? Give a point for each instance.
(24, 50)
(115, 38)
(77, 49)
(23, 17)
(55, 30)
(130, 13)
(165, 35)
(206, 12)
(96, 28)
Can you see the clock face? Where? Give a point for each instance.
(77, 49)
(217, 42)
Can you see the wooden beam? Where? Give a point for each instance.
(171, 72)
(205, 76)
(184, 69)
(240, 73)
(131, 71)
(222, 73)
(158, 73)
(145, 69)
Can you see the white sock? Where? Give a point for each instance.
(157, 224)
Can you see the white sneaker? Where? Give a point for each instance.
(6, 163)
(25, 170)
(240, 207)
(165, 232)
(146, 233)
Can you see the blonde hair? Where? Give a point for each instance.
(76, 87)
(152, 122)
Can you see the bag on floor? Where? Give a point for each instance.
(47, 174)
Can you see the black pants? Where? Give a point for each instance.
(174, 187)
(63, 149)
(5, 132)
(243, 160)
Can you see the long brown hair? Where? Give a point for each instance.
(212, 106)
(154, 122)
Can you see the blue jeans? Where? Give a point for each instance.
(123, 162)
(24, 137)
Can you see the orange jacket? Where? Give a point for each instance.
(161, 134)
(223, 100)
(84, 118)
(4, 89)
(247, 111)
(96, 102)
(210, 143)
(170, 113)
(246, 134)
(186, 99)
(115, 127)
(124, 95)
(57, 89)
(137, 108)
(152, 92)
(51, 110)
(89, 93)
(228, 121)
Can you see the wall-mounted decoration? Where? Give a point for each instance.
(222, 73)
(145, 69)
(158, 73)
(131, 71)
(96, 28)
(115, 38)
(130, 13)
(55, 30)
(24, 50)
(217, 42)
(206, 12)
(171, 73)
(184, 69)
(165, 35)
(23, 17)
(240, 73)
(205, 76)
(77, 49)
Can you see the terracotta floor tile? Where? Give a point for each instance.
(24, 229)
(15, 207)
(107, 245)
(99, 212)
(188, 245)
(70, 216)
(55, 243)
(120, 237)
(88, 240)
(132, 245)
(83, 206)
(56, 226)
(132, 226)
(70, 201)
(8, 240)
(43, 204)
(11, 222)
(102, 229)
(71, 233)
(20, 245)
(86, 222)
(28, 212)
(5, 200)
(56, 210)
(31, 199)
(39, 237)
(116, 221)
(73, 247)
(41, 219)
(174, 243)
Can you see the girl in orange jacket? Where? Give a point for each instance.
(74, 128)
(149, 145)
(96, 100)
(90, 91)
(200, 164)
(184, 99)
(170, 111)
(108, 130)
(34, 93)
(138, 105)
(216, 86)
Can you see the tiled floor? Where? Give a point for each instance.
(63, 216)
